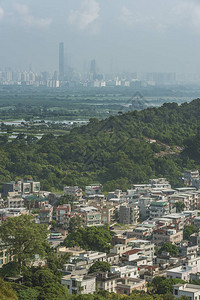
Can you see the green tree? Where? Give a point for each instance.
(179, 206)
(75, 223)
(90, 238)
(48, 285)
(9, 269)
(102, 266)
(28, 294)
(23, 237)
(6, 291)
(54, 262)
(162, 285)
(169, 247)
(188, 230)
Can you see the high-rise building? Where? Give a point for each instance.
(61, 61)
(93, 66)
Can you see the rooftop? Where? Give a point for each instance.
(130, 252)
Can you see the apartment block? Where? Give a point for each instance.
(190, 175)
(73, 191)
(46, 214)
(61, 212)
(14, 200)
(159, 209)
(79, 284)
(167, 234)
(21, 187)
(129, 213)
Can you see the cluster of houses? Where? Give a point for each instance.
(147, 216)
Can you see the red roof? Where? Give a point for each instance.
(130, 252)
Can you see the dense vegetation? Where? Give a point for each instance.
(23, 237)
(169, 247)
(114, 151)
(85, 237)
(188, 230)
(27, 102)
(161, 285)
(99, 266)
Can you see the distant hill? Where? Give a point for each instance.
(116, 151)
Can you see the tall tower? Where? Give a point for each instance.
(93, 66)
(61, 61)
(93, 69)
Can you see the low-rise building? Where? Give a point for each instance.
(46, 214)
(186, 290)
(73, 191)
(90, 216)
(167, 234)
(147, 247)
(195, 239)
(14, 200)
(120, 249)
(121, 240)
(182, 272)
(125, 271)
(91, 256)
(93, 189)
(196, 222)
(4, 255)
(164, 260)
(161, 183)
(159, 209)
(61, 212)
(21, 187)
(106, 281)
(79, 284)
(189, 175)
(131, 255)
(112, 258)
(141, 232)
(61, 251)
(127, 285)
(187, 250)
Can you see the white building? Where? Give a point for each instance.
(159, 209)
(77, 284)
(73, 191)
(189, 175)
(188, 290)
(93, 189)
(125, 271)
(91, 256)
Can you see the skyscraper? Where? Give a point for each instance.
(61, 61)
(93, 67)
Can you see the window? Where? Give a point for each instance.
(175, 292)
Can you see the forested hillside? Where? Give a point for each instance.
(115, 151)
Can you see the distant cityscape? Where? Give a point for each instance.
(69, 77)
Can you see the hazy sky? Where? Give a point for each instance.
(136, 35)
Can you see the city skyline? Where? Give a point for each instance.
(133, 36)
